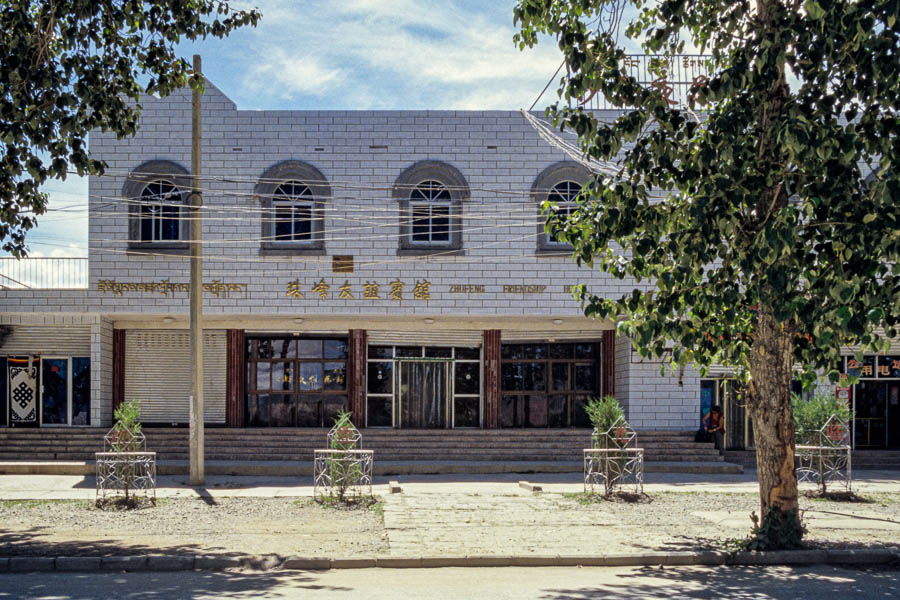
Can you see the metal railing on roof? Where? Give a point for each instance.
(672, 75)
(43, 273)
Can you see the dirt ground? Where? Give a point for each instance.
(423, 523)
(282, 526)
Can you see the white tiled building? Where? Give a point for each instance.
(339, 248)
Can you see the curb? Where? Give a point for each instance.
(172, 563)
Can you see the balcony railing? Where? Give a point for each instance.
(673, 76)
(43, 273)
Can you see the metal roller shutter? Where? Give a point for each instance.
(445, 337)
(158, 373)
(59, 340)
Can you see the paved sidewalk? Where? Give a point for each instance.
(77, 487)
(492, 515)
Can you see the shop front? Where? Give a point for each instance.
(876, 401)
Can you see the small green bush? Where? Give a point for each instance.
(811, 415)
(604, 413)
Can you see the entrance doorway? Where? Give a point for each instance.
(45, 391)
(877, 414)
(423, 392)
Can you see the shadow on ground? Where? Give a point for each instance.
(741, 582)
(168, 586)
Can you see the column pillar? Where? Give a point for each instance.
(356, 376)
(491, 351)
(118, 368)
(234, 375)
(608, 356)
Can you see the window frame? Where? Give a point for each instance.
(144, 175)
(296, 172)
(542, 189)
(406, 185)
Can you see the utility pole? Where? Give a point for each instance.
(196, 415)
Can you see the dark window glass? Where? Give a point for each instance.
(335, 349)
(303, 223)
(265, 348)
(509, 411)
(335, 376)
(512, 351)
(467, 353)
(281, 376)
(379, 411)
(258, 410)
(420, 223)
(536, 409)
(511, 377)
(561, 350)
(285, 348)
(381, 352)
(55, 391)
(467, 379)
(465, 411)
(311, 376)
(263, 371)
(81, 391)
(379, 377)
(292, 203)
(432, 352)
(310, 348)
(560, 377)
(581, 416)
(307, 411)
(535, 376)
(584, 350)
(584, 378)
(160, 212)
(557, 413)
(408, 351)
(331, 406)
(440, 223)
(281, 411)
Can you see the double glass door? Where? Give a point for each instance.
(45, 391)
(423, 391)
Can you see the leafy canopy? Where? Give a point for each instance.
(780, 184)
(70, 66)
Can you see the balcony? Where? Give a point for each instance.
(43, 273)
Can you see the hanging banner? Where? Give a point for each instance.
(23, 409)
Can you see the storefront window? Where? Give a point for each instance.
(295, 382)
(547, 385)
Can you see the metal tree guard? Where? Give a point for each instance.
(343, 470)
(614, 460)
(124, 467)
(826, 458)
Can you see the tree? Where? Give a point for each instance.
(778, 239)
(70, 66)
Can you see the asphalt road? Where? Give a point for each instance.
(562, 583)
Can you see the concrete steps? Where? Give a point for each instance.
(860, 459)
(288, 450)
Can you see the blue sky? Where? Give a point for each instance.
(353, 54)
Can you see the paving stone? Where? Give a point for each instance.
(214, 562)
(77, 563)
(307, 564)
(27, 564)
(124, 563)
(170, 563)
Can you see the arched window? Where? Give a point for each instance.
(161, 212)
(293, 195)
(559, 184)
(157, 192)
(430, 194)
(293, 205)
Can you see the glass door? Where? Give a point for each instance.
(423, 391)
(55, 391)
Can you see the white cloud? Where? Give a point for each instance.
(406, 53)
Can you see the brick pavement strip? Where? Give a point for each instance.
(124, 563)
(24, 564)
(77, 563)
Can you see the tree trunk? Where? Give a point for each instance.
(771, 359)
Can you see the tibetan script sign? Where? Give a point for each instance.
(217, 287)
